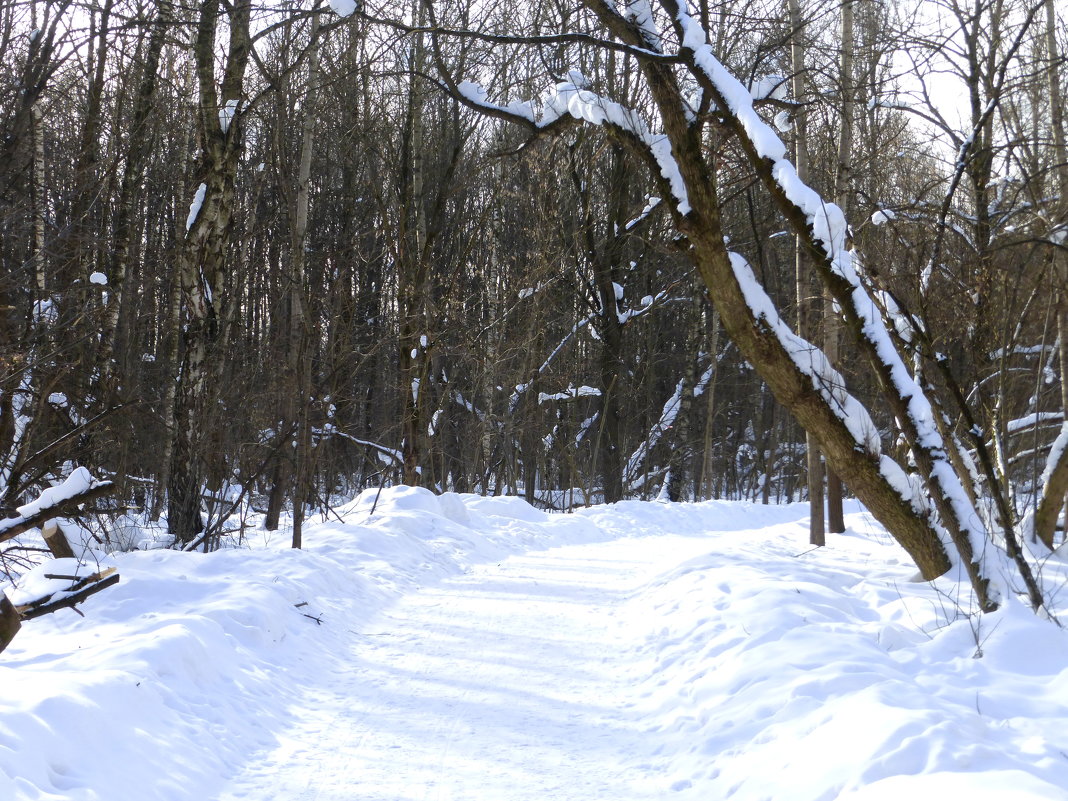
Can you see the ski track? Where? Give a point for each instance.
(511, 681)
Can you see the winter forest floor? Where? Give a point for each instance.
(475, 648)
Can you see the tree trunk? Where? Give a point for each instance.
(413, 273)
(708, 468)
(814, 462)
(759, 335)
(1053, 494)
(202, 262)
(843, 196)
(139, 147)
(300, 357)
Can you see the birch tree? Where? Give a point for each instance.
(204, 257)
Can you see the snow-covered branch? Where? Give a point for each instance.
(569, 394)
(823, 226)
(573, 101)
(58, 501)
(393, 455)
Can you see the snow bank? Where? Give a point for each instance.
(188, 665)
(771, 676)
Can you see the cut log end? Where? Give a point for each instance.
(56, 540)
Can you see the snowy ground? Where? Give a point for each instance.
(475, 648)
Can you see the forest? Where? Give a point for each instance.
(257, 258)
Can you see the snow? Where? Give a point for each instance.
(477, 648)
(577, 79)
(194, 207)
(571, 98)
(520, 389)
(44, 311)
(98, 278)
(1031, 420)
(640, 13)
(570, 393)
(769, 86)
(344, 8)
(668, 414)
(1055, 453)
(226, 114)
(42, 581)
(385, 455)
(883, 216)
(652, 202)
(1021, 350)
(79, 481)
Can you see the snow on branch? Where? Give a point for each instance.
(1056, 452)
(827, 237)
(667, 419)
(571, 101)
(571, 393)
(648, 303)
(828, 382)
(458, 397)
(1032, 421)
(810, 360)
(384, 453)
(640, 14)
(195, 205)
(57, 501)
(513, 401)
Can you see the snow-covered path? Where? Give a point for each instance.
(510, 681)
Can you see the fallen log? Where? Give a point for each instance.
(77, 592)
(13, 526)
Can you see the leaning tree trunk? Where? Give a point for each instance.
(756, 329)
(900, 392)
